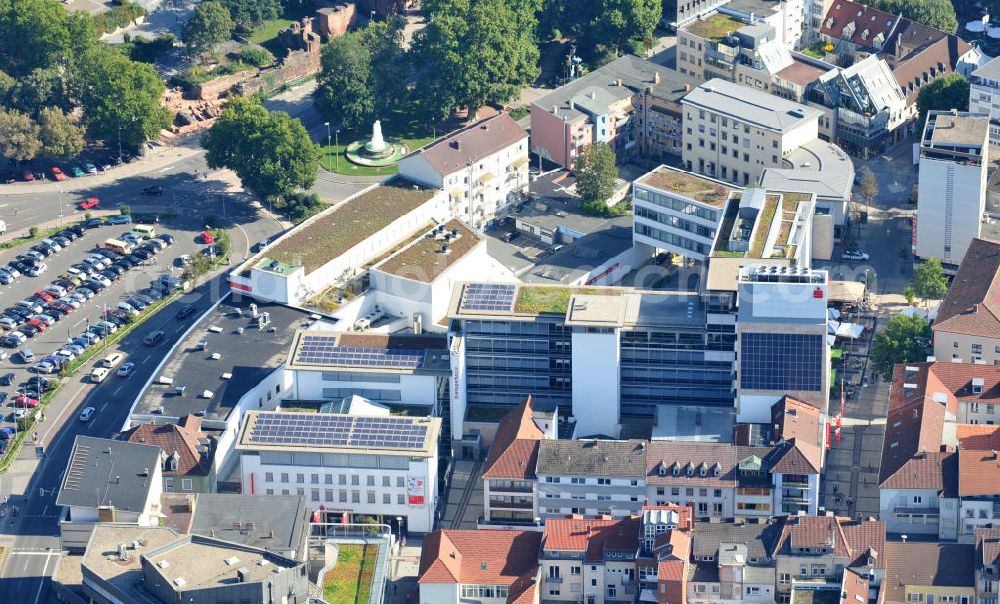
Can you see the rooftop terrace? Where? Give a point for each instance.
(714, 27)
(700, 189)
(337, 230)
(424, 260)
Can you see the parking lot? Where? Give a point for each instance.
(88, 312)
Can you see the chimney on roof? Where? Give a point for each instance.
(593, 95)
(618, 83)
(687, 87)
(656, 78)
(555, 109)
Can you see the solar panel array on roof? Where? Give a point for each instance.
(325, 430)
(323, 350)
(488, 296)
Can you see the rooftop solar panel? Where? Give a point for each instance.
(322, 350)
(488, 296)
(324, 430)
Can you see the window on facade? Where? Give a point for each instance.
(284, 477)
(328, 494)
(315, 494)
(355, 479)
(300, 478)
(268, 476)
(355, 497)
(186, 484)
(371, 496)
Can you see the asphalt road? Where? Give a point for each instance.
(25, 575)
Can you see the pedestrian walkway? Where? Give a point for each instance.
(465, 496)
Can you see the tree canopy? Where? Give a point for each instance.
(904, 340)
(950, 91)
(929, 280)
(475, 54)
(939, 14)
(601, 26)
(210, 24)
(270, 151)
(247, 14)
(595, 172)
(59, 133)
(18, 135)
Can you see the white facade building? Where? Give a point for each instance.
(984, 96)
(951, 185)
(483, 167)
(345, 465)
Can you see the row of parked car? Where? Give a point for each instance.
(73, 289)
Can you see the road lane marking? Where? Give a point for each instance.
(117, 390)
(41, 584)
(103, 407)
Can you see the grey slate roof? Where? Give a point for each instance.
(216, 514)
(750, 105)
(472, 143)
(612, 458)
(103, 472)
(989, 71)
(756, 537)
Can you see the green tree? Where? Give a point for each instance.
(248, 14)
(475, 54)
(255, 55)
(947, 92)
(270, 152)
(299, 206)
(40, 34)
(910, 294)
(595, 172)
(343, 92)
(929, 280)
(60, 134)
(601, 26)
(939, 14)
(390, 64)
(120, 96)
(904, 340)
(18, 135)
(210, 25)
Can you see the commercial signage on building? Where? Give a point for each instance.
(414, 490)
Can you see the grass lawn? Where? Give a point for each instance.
(405, 123)
(540, 299)
(268, 30)
(350, 582)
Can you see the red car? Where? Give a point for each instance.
(27, 175)
(44, 295)
(207, 237)
(38, 324)
(90, 203)
(25, 401)
(57, 173)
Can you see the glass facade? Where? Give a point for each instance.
(677, 205)
(673, 239)
(781, 361)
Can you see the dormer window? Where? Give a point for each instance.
(677, 469)
(977, 385)
(663, 468)
(716, 469)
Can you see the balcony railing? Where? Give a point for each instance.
(511, 505)
(495, 488)
(554, 580)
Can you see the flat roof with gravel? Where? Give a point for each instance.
(424, 260)
(703, 190)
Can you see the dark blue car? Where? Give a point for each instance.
(7, 433)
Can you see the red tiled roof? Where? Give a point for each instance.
(922, 65)
(978, 473)
(794, 419)
(671, 577)
(852, 539)
(675, 544)
(486, 556)
(930, 470)
(972, 304)
(987, 545)
(592, 535)
(796, 457)
(853, 588)
(868, 22)
(472, 143)
(917, 564)
(173, 437)
(911, 428)
(978, 437)
(514, 452)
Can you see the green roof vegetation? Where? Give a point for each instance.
(790, 200)
(763, 226)
(715, 27)
(350, 581)
(275, 266)
(331, 234)
(424, 261)
(694, 187)
(551, 300)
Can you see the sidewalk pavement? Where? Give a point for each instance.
(403, 571)
(74, 217)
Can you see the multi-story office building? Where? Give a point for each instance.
(677, 13)
(597, 353)
(593, 477)
(678, 211)
(630, 103)
(346, 466)
(484, 168)
(951, 184)
(984, 96)
(734, 132)
(781, 339)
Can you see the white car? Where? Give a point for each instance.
(126, 370)
(87, 414)
(38, 269)
(99, 374)
(855, 255)
(102, 280)
(112, 360)
(8, 323)
(69, 354)
(70, 301)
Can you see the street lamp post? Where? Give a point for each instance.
(336, 141)
(327, 124)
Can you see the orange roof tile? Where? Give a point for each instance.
(792, 418)
(592, 535)
(926, 470)
(496, 557)
(978, 473)
(514, 452)
(978, 437)
(174, 437)
(673, 544)
(972, 304)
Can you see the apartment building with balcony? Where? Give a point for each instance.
(631, 104)
(731, 563)
(951, 185)
(591, 477)
(483, 167)
(734, 132)
(967, 326)
(987, 565)
(590, 559)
